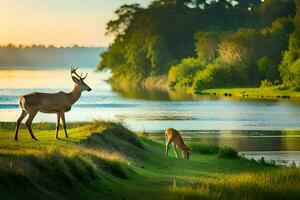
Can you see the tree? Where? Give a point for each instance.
(150, 40)
(244, 45)
(290, 66)
(206, 45)
(125, 14)
(270, 10)
(267, 69)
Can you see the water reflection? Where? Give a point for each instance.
(139, 92)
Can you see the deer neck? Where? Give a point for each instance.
(74, 94)
(182, 145)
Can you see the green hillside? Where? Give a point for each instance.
(105, 160)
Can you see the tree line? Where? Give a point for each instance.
(48, 56)
(207, 44)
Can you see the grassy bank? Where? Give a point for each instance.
(105, 160)
(160, 84)
(269, 92)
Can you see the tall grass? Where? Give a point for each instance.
(274, 184)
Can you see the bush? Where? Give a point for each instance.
(266, 83)
(221, 74)
(228, 152)
(182, 74)
(297, 89)
(203, 148)
(284, 87)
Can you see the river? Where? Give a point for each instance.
(256, 128)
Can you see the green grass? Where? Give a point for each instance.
(269, 92)
(105, 160)
(203, 148)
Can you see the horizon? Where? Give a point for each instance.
(73, 22)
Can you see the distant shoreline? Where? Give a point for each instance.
(44, 56)
(42, 67)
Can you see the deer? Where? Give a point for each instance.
(51, 103)
(174, 136)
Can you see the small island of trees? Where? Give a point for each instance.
(207, 44)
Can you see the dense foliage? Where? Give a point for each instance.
(206, 44)
(290, 66)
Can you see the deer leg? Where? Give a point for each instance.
(174, 147)
(62, 115)
(29, 123)
(22, 116)
(168, 141)
(57, 125)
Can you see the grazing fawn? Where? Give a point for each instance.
(173, 135)
(57, 103)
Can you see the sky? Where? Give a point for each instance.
(58, 22)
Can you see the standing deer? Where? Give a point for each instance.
(174, 136)
(58, 103)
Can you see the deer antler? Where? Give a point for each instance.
(73, 71)
(84, 76)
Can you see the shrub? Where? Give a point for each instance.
(203, 148)
(220, 74)
(228, 152)
(182, 74)
(284, 87)
(297, 89)
(266, 83)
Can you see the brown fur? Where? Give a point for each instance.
(174, 136)
(57, 103)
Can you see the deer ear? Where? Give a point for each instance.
(75, 80)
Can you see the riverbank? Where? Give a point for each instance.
(260, 93)
(105, 160)
(160, 83)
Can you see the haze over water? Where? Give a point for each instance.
(254, 127)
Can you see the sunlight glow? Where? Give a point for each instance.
(58, 22)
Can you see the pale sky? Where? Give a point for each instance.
(58, 22)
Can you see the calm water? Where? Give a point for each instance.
(256, 128)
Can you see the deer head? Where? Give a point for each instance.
(186, 154)
(79, 80)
